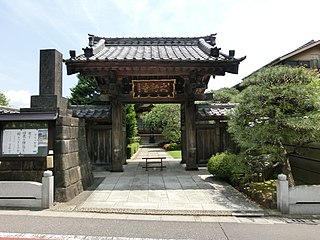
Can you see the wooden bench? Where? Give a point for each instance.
(160, 160)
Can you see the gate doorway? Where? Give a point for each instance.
(150, 70)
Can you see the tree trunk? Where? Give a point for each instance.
(287, 169)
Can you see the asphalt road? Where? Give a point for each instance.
(136, 229)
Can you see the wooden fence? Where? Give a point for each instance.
(305, 163)
(212, 139)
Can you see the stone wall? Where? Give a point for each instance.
(72, 164)
(72, 168)
(17, 169)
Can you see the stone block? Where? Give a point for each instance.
(27, 165)
(44, 101)
(63, 132)
(17, 176)
(74, 174)
(66, 146)
(14, 165)
(5, 175)
(64, 194)
(62, 179)
(74, 132)
(50, 80)
(39, 165)
(66, 161)
(64, 121)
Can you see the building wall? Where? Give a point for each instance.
(307, 55)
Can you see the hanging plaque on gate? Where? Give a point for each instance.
(160, 88)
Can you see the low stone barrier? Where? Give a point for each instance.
(27, 193)
(304, 199)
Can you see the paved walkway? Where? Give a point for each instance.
(171, 191)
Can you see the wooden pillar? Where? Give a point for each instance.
(183, 134)
(117, 136)
(190, 135)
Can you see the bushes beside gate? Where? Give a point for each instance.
(229, 166)
(132, 148)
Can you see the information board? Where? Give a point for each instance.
(21, 142)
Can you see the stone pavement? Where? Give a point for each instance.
(172, 191)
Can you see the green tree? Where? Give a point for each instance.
(225, 95)
(83, 92)
(131, 122)
(3, 100)
(86, 88)
(165, 117)
(279, 105)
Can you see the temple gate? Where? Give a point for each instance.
(152, 70)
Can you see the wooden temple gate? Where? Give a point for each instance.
(150, 70)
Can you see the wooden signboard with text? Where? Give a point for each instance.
(160, 88)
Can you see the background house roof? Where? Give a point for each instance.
(300, 49)
(279, 60)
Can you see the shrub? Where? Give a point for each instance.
(229, 166)
(136, 139)
(173, 147)
(132, 148)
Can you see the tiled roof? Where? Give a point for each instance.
(29, 116)
(5, 110)
(91, 112)
(212, 111)
(153, 49)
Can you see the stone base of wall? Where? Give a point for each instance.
(19, 170)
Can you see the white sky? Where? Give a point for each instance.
(260, 29)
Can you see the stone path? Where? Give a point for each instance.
(171, 191)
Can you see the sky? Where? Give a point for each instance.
(262, 30)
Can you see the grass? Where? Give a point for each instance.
(266, 188)
(176, 154)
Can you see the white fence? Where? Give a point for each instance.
(28, 194)
(303, 199)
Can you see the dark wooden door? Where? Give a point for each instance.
(99, 147)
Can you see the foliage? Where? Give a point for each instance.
(135, 139)
(165, 117)
(228, 166)
(83, 92)
(173, 147)
(280, 105)
(225, 95)
(176, 154)
(3, 100)
(131, 122)
(132, 148)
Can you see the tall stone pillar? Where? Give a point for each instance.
(117, 136)
(50, 83)
(190, 136)
(72, 169)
